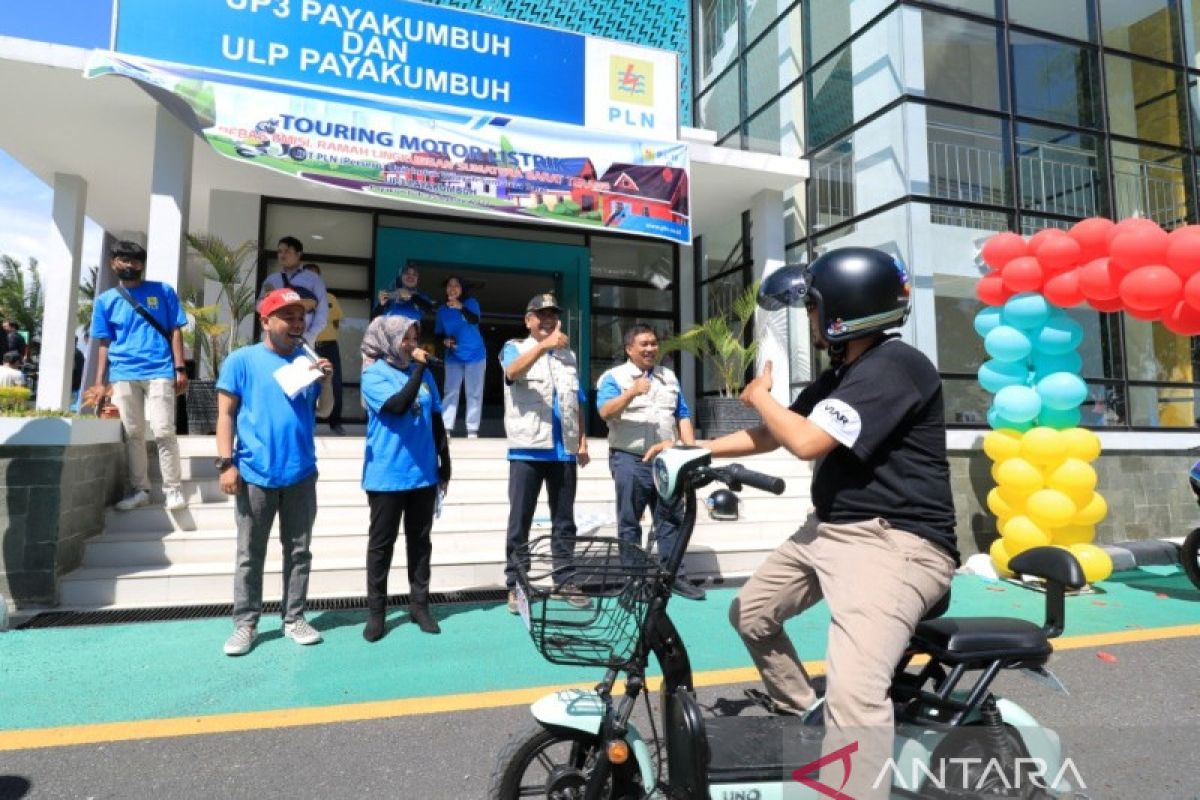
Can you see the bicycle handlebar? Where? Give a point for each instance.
(736, 473)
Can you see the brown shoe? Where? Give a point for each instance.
(512, 602)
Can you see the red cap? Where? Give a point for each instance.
(281, 298)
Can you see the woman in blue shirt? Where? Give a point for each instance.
(457, 323)
(405, 300)
(406, 465)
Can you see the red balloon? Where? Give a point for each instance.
(1130, 224)
(1092, 236)
(1183, 250)
(1151, 288)
(1145, 314)
(1023, 274)
(1133, 249)
(1191, 291)
(1096, 282)
(1062, 290)
(1003, 248)
(1107, 306)
(990, 290)
(1058, 253)
(1183, 320)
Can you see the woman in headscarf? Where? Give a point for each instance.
(407, 464)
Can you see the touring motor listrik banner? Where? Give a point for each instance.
(514, 168)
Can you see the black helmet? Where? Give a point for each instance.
(722, 504)
(857, 291)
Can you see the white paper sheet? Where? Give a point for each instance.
(295, 377)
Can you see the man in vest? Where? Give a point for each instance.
(543, 419)
(643, 404)
(307, 284)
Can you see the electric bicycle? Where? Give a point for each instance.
(1189, 551)
(607, 607)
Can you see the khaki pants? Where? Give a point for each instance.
(150, 404)
(879, 582)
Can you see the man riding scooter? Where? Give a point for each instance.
(880, 545)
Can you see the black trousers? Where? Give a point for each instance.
(525, 479)
(387, 508)
(330, 350)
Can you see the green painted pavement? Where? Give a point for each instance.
(114, 673)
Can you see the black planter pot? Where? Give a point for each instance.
(718, 416)
(202, 408)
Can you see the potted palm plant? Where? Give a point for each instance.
(216, 326)
(719, 343)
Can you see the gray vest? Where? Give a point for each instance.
(529, 400)
(649, 418)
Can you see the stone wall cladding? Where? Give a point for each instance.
(1147, 492)
(54, 500)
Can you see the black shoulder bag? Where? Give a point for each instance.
(146, 315)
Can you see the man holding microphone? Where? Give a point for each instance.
(267, 460)
(642, 404)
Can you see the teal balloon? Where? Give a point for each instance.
(998, 422)
(1059, 419)
(1046, 363)
(1027, 310)
(1062, 390)
(1058, 336)
(1006, 343)
(1018, 403)
(986, 320)
(994, 375)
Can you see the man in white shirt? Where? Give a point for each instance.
(10, 370)
(307, 284)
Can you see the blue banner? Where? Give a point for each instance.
(400, 49)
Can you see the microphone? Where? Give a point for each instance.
(432, 361)
(308, 351)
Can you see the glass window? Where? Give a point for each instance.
(774, 62)
(860, 172)
(761, 14)
(1144, 101)
(1032, 223)
(723, 249)
(642, 298)
(968, 157)
(1063, 17)
(988, 8)
(1055, 81)
(1148, 182)
(961, 61)
(1146, 27)
(1164, 406)
(1061, 171)
(718, 109)
(625, 259)
(831, 180)
(1156, 354)
(1191, 31)
(717, 37)
(716, 298)
(795, 213)
(323, 230)
(779, 128)
(831, 98)
(827, 26)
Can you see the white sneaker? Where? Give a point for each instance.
(472, 435)
(173, 500)
(301, 632)
(135, 499)
(241, 640)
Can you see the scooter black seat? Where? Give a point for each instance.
(759, 748)
(958, 640)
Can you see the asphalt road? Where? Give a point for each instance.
(1131, 723)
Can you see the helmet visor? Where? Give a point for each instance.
(786, 287)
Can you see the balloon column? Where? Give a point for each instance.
(1045, 484)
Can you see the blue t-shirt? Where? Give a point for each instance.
(451, 323)
(274, 435)
(607, 389)
(559, 451)
(400, 454)
(136, 351)
(408, 308)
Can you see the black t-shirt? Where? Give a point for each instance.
(885, 410)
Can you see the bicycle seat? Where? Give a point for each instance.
(957, 640)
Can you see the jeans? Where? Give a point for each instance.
(458, 374)
(255, 511)
(525, 479)
(330, 350)
(149, 403)
(415, 506)
(635, 490)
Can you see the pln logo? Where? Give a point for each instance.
(631, 82)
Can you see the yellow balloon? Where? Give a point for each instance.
(1019, 477)
(1074, 477)
(1042, 445)
(1097, 565)
(1015, 500)
(1081, 443)
(997, 504)
(1091, 512)
(1050, 508)
(1022, 533)
(1000, 558)
(1073, 534)
(1002, 445)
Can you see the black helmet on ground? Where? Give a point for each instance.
(857, 291)
(722, 504)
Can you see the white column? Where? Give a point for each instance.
(105, 280)
(234, 217)
(771, 328)
(61, 287)
(170, 192)
(685, 290)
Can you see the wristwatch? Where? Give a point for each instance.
(181, 369)
(222, 464)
